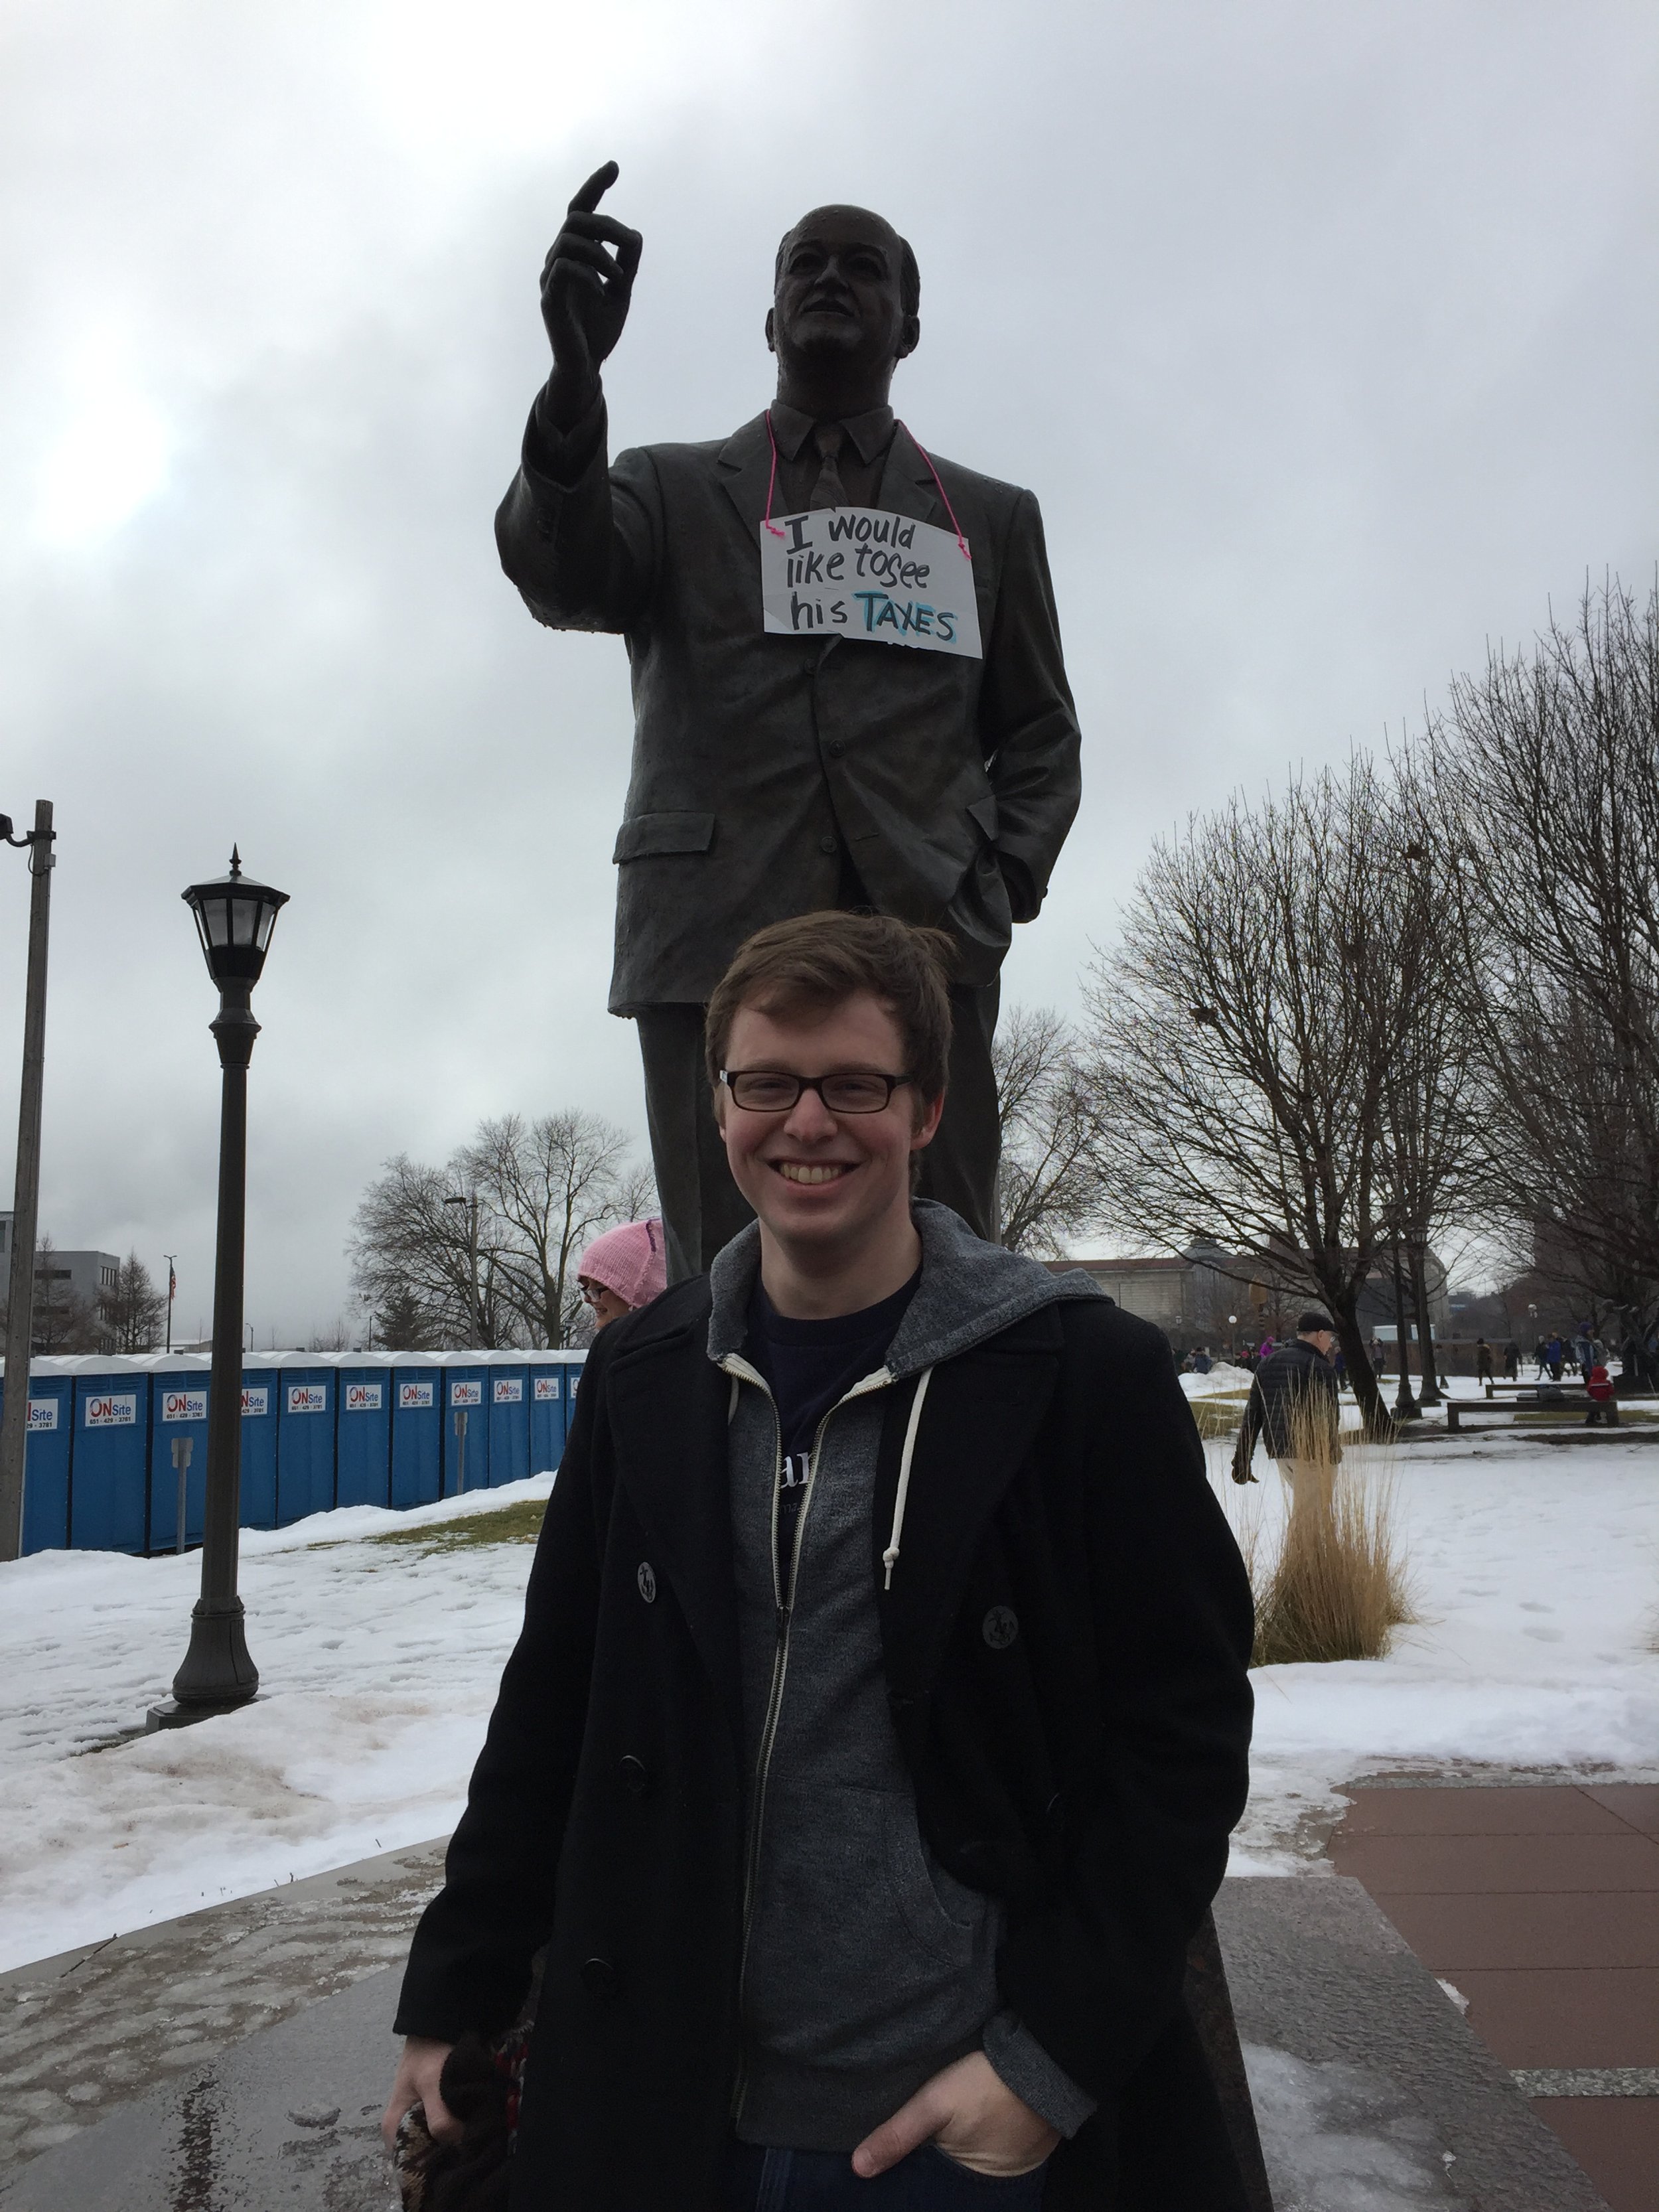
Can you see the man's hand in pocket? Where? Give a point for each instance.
(972, 2114)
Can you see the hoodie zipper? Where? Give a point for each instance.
(783, 1602)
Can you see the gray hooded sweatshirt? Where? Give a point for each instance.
(867, 1967)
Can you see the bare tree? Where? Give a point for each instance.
(1434, 1148)
(131, 1311)
(532, 1193)
(412, 1253)
(1048, 1176)
(1550, 759)
(1239, 1044)
(552, 1185)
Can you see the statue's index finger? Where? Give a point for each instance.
(594, 190)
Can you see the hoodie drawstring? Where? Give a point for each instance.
(889, 1557)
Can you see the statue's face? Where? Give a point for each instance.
(837, 292)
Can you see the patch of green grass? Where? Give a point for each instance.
(521, 1523)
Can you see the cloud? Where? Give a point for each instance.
(1324, 336)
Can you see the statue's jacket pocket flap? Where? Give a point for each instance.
(646, 835)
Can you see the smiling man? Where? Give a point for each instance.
(775, 774)
(869, 1754)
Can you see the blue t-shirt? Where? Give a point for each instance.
(808, 1366)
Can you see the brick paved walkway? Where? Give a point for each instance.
(1540, 1906)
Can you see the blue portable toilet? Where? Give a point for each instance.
(363, 1428)
(546, 1416)
(306, 1400)
(50, 1435)
(466, 1389)
(110, 1469)
(509, 1423)
(417, 1443)
(260, 1386)
(178, 1407)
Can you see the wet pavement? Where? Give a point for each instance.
(96, 2028)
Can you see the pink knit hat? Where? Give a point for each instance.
(630, 1260)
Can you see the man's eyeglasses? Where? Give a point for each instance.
(769, 1091)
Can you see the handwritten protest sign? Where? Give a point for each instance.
(863, 572)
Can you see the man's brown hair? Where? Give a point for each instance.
(816, 962)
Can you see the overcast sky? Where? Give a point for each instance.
(1327, 337)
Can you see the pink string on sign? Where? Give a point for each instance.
(767, 522)
(961, 541)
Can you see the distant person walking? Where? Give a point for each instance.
(623, 1270)
(1294, 1407)
(1379, 1358)
(1555, 1358)
(1482, 1360)
(1511, 1362)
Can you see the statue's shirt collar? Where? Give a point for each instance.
(870, 432)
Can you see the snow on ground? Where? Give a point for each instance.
(378, 1668)
(1534, 1570)
(1221, 1382)
(1537, 1576)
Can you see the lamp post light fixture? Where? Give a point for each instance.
(235, 917)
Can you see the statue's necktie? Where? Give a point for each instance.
(828, 490)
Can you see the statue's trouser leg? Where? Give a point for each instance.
(959, 1168)
(702, 1207)
(1210, 2005)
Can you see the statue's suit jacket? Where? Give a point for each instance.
(757, 759)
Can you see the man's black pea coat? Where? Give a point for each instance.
(1088, 1771)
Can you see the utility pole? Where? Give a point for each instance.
(173, 1291)
(19, 1311)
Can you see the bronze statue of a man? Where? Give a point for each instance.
(876, 762)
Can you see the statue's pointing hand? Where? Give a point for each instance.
(585, 294)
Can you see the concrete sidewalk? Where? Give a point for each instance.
(97, 2027)
(1371, 2089)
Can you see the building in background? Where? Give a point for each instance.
(87, 1276)
(1211, 1299)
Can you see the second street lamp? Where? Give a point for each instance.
(234, 918)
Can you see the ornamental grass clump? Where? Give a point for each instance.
(1338, 1587)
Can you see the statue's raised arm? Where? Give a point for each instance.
(585, 290)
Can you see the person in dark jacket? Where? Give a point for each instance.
(1295, 1408)
(868, 1757)
(776, 773)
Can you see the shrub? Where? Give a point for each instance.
(1336, 1586)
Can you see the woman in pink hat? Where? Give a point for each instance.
(624, 1268)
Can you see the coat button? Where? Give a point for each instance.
(598, 1976)
(1000, 1627)
(827, 845)
(834, 749)
(647, 1580)
(635, 1778)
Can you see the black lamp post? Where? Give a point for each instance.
(234, 918)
